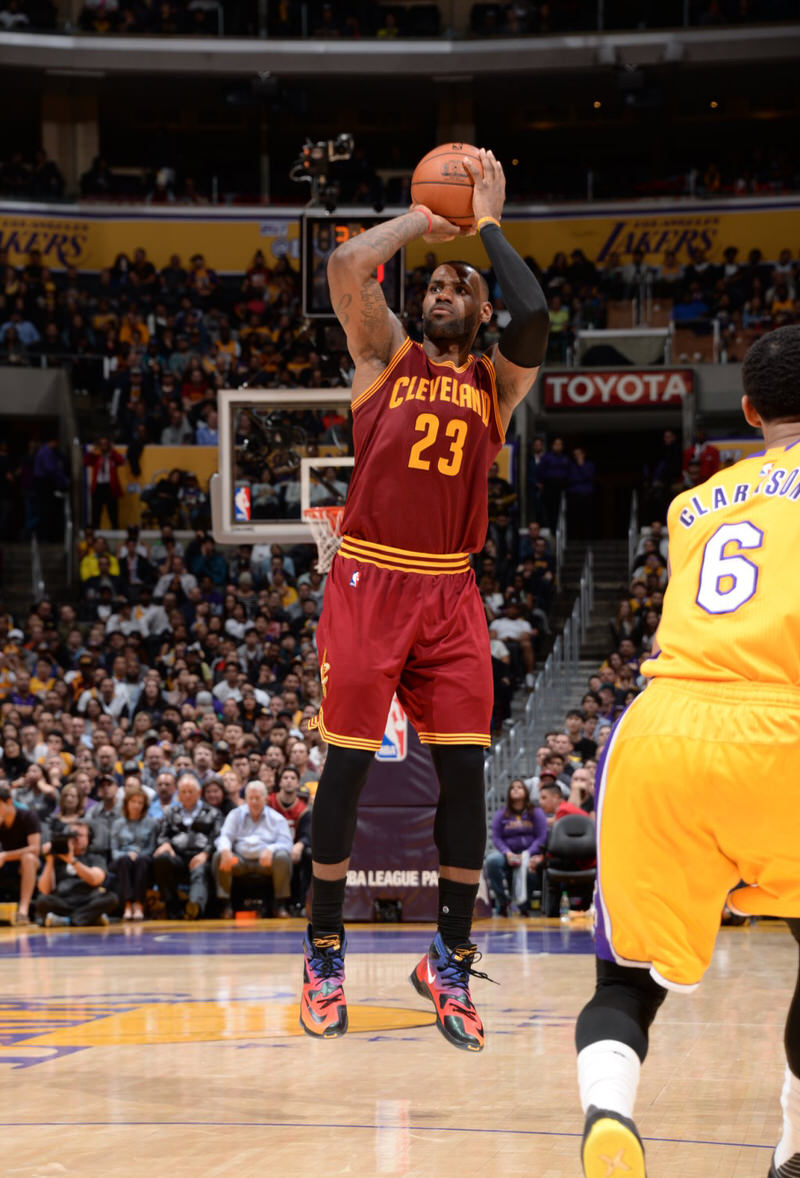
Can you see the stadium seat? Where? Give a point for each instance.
(570, 846)
(619, 313)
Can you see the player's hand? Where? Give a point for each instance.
(441, 229)
(489, 192)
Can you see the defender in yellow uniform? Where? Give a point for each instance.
(681, 820)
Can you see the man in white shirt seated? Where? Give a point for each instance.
(518, 634)
(228, 688)
(255, 841)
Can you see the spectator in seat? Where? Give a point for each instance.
(582, 747)
(102, 817)
(553, 804)
(693, 307)
(166, 794)
(518, 635)
(519, 834)
(186, 836)
(20, 844)
(285, 800)
(36, 793)
(177, 580)
(581, 792)
(702, 452)
(255, 841)
(133, 840)
(72, 885)
(12, 17)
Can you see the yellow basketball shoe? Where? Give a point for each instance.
(612, 1147)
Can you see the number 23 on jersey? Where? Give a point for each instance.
(428, 424)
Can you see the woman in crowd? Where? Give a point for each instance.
(133, 840)
(14, 764)
(151, 701)
(519, 834)
(214, 794)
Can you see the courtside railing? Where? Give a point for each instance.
(633, 532)
(560, 539)
(514, 754)
(37, 578)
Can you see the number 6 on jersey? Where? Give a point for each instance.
(728, 579)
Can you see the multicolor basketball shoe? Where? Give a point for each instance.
(612, 1147)
(443, 977)
(323, 1006)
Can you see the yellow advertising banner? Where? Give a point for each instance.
(92, 239)
(748, 225)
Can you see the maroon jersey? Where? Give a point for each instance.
(425, 435)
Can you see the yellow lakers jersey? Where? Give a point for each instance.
(732, 606)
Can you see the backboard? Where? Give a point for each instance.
(279, 450)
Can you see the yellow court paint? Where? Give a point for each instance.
(198, 1022)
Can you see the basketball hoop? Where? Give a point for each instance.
(326, 528)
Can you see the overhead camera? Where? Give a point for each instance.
(313, 164)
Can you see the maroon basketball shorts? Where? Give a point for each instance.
(419, 630)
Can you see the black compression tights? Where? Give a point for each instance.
(459, 829)
(791, 1036)
(333, 818)
(624, 1004)
(460, 826)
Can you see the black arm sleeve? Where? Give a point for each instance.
(524, 340)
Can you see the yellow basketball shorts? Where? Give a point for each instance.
(698, 800)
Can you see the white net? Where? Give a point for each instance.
(326, 528)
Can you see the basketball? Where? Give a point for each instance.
(442, 183)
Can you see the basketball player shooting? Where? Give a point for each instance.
(402, 610)
(720, 717)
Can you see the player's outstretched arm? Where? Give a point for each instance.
(373, 332)
(523, 345)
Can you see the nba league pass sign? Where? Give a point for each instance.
(394, 745)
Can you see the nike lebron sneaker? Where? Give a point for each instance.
(443, 978)
(323, 1006)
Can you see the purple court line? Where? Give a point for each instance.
(335, 1125)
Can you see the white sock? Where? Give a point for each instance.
(608, 1076)
(789, 1143)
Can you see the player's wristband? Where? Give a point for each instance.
(427, 212)
(487, 221)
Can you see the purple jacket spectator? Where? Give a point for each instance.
(520, 832)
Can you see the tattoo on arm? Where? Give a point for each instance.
(341, 309)
(373, 304)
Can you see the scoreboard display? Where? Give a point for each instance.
(320, 234)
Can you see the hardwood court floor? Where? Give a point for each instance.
(174, 1050)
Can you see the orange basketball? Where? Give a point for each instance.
(443, 184)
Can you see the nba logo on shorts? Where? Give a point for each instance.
(241, 504)
(394, 745)
(355, 579)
